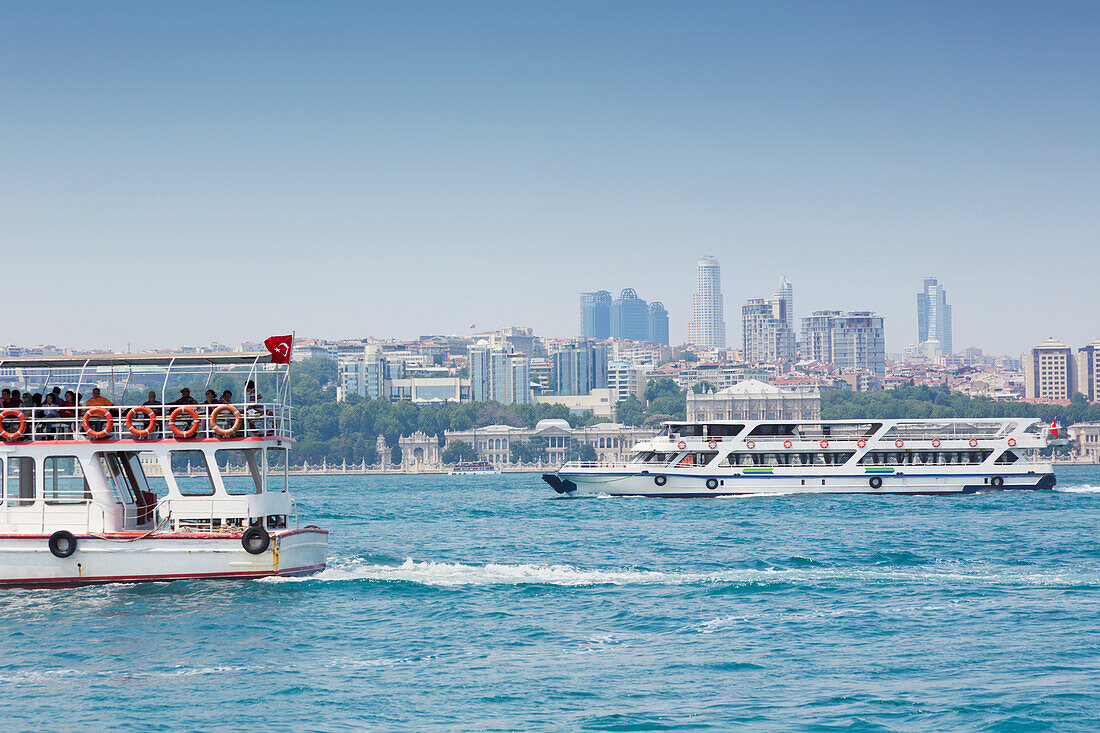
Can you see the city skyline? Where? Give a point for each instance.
(484, 164)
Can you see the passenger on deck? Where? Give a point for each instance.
(185, 398)
(227, 397)
(36, 398)
(98, 400)
(56, 392)
(211, 398)
(50, 415)
(27, 403)
(16, 399)
(152, 400)
(252, 395)
(5, 398)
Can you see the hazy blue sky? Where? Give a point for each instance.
(180, 173)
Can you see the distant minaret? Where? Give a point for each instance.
(708, 325)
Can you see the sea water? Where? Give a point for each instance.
(488, 603)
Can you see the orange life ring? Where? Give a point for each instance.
(18, 432)
(712, 444)
(190, 412)
(973, 442)
(100, 412)
(1011, 442)
(750, 444)
(681, 445)
(899, 443)
(824, 443)
(787, 444)
(232, 429)
(150, 416)
(861, 443)
(935, 442)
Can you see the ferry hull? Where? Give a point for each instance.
(26, 561)
(703, 485)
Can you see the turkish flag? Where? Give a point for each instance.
(279, 346)
(1054, 428)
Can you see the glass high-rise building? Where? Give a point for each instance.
(630, 317)
(934, 318)
(658, 323)
(596, 315)
(708, 326)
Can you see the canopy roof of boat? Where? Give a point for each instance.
(78, 361)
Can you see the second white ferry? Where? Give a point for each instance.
(829, 456)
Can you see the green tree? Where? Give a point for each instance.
(459, 451)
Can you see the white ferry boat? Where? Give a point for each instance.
(131, 492)
(828, 456)
(474, 468)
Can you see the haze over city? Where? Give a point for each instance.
(222, 173)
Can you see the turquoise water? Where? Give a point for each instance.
(483, 603)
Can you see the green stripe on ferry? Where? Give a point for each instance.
(756, 470)
(878, 469)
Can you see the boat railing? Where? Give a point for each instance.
(146, 422)
(695, 441)
(595, 464)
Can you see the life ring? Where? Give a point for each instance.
(899, 443)
(750, 444)
(861, 443)
(62, 543)
(787, 444)
(232, 429)
(712, 483)
(255, 540)
(973, 442)
(150, 416)
(935, 442)
(1011, 442)
(103, 414)
(712, 444)
(824, 443)
(192, 413)
(681, 445)
(18, 432)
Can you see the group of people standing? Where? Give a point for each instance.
(52, 412)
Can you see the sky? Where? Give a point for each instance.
(181, 173)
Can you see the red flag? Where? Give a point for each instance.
(1054, 428)
(280, 347)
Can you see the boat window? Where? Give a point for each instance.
(20, 481)
(63, 478)
(277, 469)
(191, 472)
(724, 431)
(241, 470)
(772, 429)
(1007, 457)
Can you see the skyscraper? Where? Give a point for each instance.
(1049, 372)
(658, 323)
(596, 315)
(580, 368)
(499, 374)
(630, 317)
(708, 326)
(785, 292)
(934, 318)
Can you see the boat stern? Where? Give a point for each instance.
(300, 551)
(559, 484)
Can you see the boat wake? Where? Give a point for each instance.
(444, 574)
(1078, 489)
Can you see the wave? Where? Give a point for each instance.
(456, 574)
(1078, 489)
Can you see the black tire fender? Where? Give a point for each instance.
(997, 481)
(712, 483)
(876, 482)
(255, 540)
(62, 543)
(660, 480)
